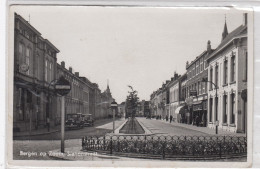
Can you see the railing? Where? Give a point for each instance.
(168, 147)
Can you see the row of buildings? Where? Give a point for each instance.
(213, 90)
(35, 72)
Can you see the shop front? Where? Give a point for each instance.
(199, 113)
(181, 113)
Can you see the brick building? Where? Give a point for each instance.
(196, 89)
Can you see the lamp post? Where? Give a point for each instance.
(215, 86)
(62, 87)
(114, 106)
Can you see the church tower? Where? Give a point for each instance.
(225, 31)
(108, 89)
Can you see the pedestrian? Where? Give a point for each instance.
(166, 118)
(197, 121)
(171, 118)
(160, 117)
(48, 123)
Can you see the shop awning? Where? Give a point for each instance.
(179, 110)
(197, 102)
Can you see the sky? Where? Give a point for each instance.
(136, 46)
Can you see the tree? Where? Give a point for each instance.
(132, 101)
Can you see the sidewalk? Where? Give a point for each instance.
(40, 131)
(205, 130)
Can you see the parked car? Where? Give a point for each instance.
(88, 120)
(74, 121)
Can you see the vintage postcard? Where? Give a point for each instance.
(103, 86)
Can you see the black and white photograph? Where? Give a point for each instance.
(152, 86)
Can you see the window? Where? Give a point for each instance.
(36, 65)
(233, 68)
(27, 35)
(27, 59)
(216, 108)
(216, 75)
(245, 68)
(225, 106)
(46, 70)
(199, 86)
(225, 72)
(233, 102)
(210, 109)
(50, 71)
(197, 67)
(211, 78)
(21, 54)
(201, 64)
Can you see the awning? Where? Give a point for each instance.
(178, 110)
(197, 102)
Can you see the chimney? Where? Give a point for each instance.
(208, 47)
(77, 74)
(63, 64)
(187, 64)
(244, 19)
(70, 69)
(172, 79)
(175, 75)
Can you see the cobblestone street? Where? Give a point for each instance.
(161, 127)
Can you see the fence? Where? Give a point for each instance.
(166, 147)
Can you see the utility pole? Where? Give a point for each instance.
(62, 122)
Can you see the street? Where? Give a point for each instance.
(24, 148)
(27, 147)
(160, 127)
(101, 127)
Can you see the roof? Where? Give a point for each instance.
(238, 31)
(197, 58)
(51, 45)
(27, 24)
(36, 31)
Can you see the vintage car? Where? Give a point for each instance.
(88, 120)
(74, 121)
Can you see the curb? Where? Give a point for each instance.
(147, 131)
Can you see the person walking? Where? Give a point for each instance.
(166, 118)
(197, 120)
(48, 123)
(171, 118)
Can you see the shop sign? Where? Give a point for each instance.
(193, 92)
(197, 107)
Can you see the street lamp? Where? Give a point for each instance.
(114, 106)
(215, 86)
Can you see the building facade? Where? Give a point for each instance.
(228, 71)
(196, 88)
(174, 96)
(78, 99)
(106, 100)
(34, 69)
(182, 110)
